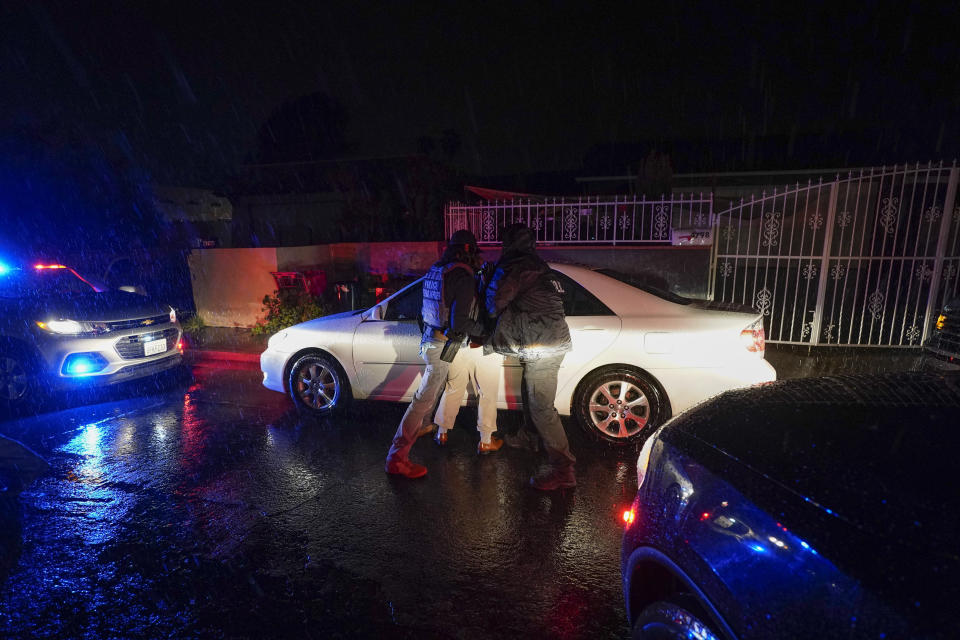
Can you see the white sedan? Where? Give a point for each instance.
(639, 355)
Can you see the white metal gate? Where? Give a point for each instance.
(863, 260)
(587, 219)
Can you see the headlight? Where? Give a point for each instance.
(173, 315)
(69, 327)
(73, 328)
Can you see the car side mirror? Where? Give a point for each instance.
(376, 312)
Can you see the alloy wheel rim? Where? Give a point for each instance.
(13, 379)
(318, 386)
(619, 409)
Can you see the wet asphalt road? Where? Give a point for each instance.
(208, 508)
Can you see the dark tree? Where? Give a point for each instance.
(310, 127)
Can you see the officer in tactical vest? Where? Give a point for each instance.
(450, 314)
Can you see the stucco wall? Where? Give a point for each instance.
(344, 260)
(229, 284)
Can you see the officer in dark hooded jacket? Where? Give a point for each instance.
(525, 298)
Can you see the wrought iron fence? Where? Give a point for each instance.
(865, 259)
(606, 220)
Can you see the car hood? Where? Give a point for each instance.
(335, 322)
(106, 306)
(875, 452)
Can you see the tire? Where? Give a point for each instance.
(318, 385)
(667, 621)
(620, 406)
(18, 378)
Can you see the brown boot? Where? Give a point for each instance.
(554, 478)
(485, 448)
(405, 468)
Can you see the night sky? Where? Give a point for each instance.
(182, 90)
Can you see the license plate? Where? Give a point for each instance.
(154, 347)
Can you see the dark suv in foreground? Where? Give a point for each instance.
(58, 332)
(810, 508)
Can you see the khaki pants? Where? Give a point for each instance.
(487, 375)
(436, 376)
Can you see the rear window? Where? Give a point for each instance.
(649, 283)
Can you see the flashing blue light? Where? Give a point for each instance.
(82, 364)
(4, 269)
(804, 545)
(759, 548)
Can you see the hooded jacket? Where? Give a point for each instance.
(525, 298)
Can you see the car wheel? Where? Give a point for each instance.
(17, 381)
(318, 385)
(619, 406)
(667, 621)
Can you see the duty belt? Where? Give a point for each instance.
(435, 332)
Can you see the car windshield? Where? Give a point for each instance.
(23, 283)
(651, 284)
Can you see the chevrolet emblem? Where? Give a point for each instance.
(147, 321)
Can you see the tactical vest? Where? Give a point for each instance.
(435, 310)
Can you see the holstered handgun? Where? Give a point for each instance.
(452, 345)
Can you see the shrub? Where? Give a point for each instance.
(286, 308)
(193, 326)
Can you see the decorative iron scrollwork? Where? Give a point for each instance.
(913, 333)
(489, 225)
(875, 305)
(764, 298)
(828, 332)
(771, 228)
(661, 222)
(815, 221)
(949, 272)
(890, 212)
(570, 226)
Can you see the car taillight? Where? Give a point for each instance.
(754, 338)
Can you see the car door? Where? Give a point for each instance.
(593, 328)
(386, 347)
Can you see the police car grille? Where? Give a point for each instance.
(131, 347)
(139, 322)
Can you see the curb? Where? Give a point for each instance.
(234, 356)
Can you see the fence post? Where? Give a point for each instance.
(714, 249)
(948, 204)
(824, 263)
